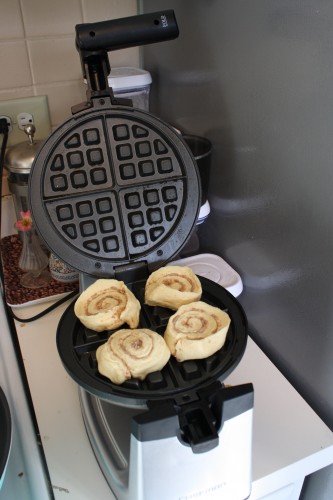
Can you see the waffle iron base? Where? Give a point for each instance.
(178, 381)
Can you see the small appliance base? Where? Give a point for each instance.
(167, 468)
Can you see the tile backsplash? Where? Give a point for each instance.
(38, 54)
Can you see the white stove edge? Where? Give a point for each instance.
(25, 475)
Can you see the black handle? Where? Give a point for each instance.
(127, 31)
(95, 40)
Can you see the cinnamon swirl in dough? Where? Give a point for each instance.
(172, 286)
(132, 354)
(107, 304)
(196, 331)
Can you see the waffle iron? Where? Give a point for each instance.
(115, 193)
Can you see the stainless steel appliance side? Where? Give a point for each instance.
(255, 78)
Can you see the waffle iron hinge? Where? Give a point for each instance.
(133, 271)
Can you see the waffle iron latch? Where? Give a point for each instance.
(198, 427)
(95, 40)
(202, 421)
(197, 424)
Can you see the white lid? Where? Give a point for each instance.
(204, 212)
(127, 77)
(214, 268)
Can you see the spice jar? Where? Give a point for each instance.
(60, 271)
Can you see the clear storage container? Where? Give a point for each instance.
(132, 83)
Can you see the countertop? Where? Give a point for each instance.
(289, 440)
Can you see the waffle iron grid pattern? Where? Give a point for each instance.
(77, 347)
(114, 188)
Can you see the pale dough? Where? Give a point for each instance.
(196, 331)
(172, 286)
(107, 304)
(132, 354)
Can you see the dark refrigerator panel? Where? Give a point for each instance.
(256, 79)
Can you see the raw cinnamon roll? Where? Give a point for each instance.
(132, 354)
(107, 304)
(172, 286)
(196, 331)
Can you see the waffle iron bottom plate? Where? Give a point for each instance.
(77, 348)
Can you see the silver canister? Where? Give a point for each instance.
(18, 162)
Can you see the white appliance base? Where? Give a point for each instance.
(165, 468)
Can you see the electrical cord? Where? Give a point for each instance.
(47, 310)
(5, 132)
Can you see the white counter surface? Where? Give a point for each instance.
(289, 439)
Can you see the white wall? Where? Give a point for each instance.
(37, 48)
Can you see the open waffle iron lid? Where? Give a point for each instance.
(113, 186)
(115, 192)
